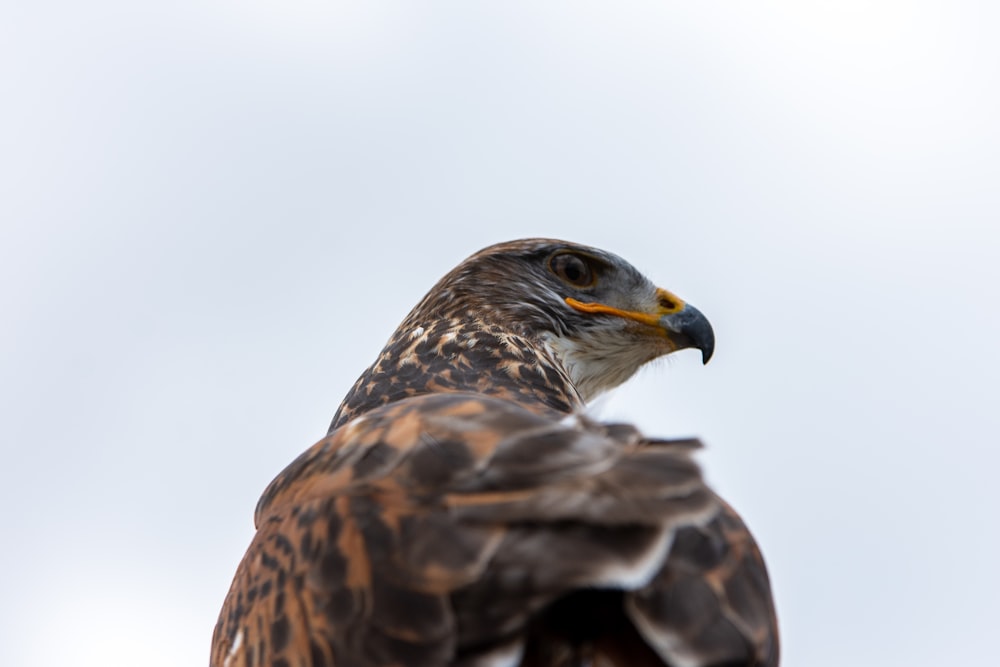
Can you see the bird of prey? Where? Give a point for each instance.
(463, 510)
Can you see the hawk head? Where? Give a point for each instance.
(595, 313)
(541, 321)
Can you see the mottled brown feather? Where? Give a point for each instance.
(455, 516)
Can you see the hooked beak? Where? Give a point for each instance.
(683, 325)
(689, 328)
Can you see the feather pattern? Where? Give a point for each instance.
(454, 515)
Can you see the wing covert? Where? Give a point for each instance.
(430, 530)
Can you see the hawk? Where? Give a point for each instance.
(463, 511)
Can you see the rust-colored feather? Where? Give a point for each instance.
(462, 527)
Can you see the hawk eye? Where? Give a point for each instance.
(572, 269)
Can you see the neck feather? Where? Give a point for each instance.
(449, 357)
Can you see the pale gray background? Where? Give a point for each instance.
(215, 212)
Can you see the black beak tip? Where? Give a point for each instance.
(706, 354)
(704, 340)
(692, 329)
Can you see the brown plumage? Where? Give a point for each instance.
(461, 512)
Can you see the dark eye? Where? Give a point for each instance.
(572, 269)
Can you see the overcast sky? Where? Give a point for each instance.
(213, 214)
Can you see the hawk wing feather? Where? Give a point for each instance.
(445, 529)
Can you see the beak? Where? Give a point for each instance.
(682, 324)
(689, 328)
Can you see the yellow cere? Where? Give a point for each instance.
(668, 304)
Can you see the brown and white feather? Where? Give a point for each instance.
(460, 513)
